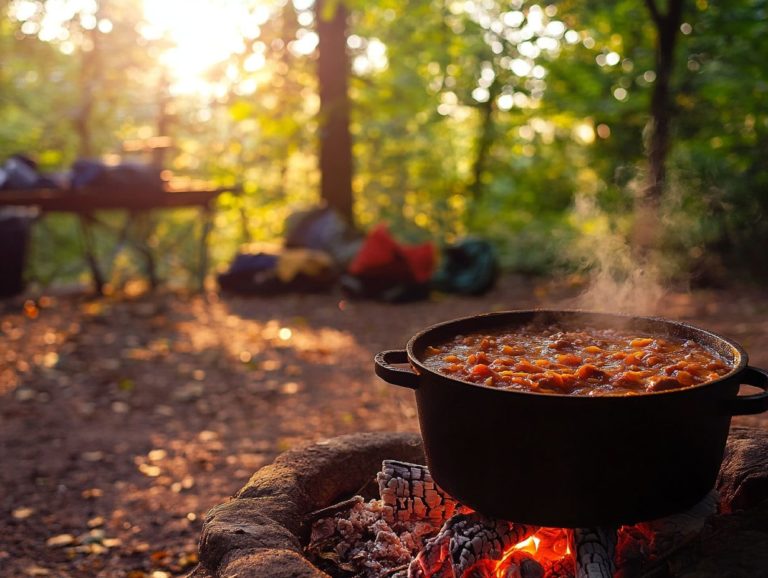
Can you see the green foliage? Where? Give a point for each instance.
(502, 119)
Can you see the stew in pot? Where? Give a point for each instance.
(576, 362)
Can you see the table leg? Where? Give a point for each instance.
(207, 223)
(91, 256)
(143, 228)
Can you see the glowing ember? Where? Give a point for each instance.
(549, 547)
(416, 530)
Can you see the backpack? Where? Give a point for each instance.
(469, 267)
(386, 270)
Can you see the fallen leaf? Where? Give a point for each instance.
(94, 536)
(109, 364)
(120, 407)
(23, 513)
(60, 541)
(245, 356)
(50, 359)
(160, 556)
(25, 394)
(189, 391)
(188, 559)
(293, 371)
(30, 309)
(93, 308)
(271, 365)
(290, 388)
(96, 522)
(157, 455)
(95, 456)
(126, 384)
(150, 471)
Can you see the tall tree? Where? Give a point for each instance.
(335, 139)
(667, 25)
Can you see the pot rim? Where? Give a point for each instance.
(740, 360)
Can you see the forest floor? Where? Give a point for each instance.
(124, 419)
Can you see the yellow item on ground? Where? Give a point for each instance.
(292, 262)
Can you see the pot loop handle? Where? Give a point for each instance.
(395, 376)
(751, 404)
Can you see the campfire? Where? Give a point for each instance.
(416, 530)
(295, 517)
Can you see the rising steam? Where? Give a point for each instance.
(619, 279)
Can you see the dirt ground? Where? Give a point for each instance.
(123, 420)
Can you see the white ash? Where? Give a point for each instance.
(363, 543)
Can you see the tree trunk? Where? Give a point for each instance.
(485, 138)
(335, 139)
(647, 217)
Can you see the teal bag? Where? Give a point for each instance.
(469, 267)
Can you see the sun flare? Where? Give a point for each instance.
(202, 33)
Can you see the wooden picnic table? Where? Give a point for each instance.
(136, 227)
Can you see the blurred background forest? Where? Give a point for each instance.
(532, 124)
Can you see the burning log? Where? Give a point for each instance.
(518, 564)
(562, 568)
(409, 493)
(380, 538)
(463, 541)
(593, 550)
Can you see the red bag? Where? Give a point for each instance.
(384, 259)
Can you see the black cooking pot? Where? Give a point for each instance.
(574, 461)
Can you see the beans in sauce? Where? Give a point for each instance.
(590, 362)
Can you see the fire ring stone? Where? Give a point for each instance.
(260, 532)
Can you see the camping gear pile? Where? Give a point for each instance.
(321, 250)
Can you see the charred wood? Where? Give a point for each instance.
(463, 541)
(563, 568)
(332, 510)
(593, 551)
(409, 493)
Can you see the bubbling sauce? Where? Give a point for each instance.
(589, 362)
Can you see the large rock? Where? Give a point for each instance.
(733, 545)
(268, 564)
(743, 479)
(259, 532)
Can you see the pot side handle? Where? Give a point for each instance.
(396, 376)
(751, 404)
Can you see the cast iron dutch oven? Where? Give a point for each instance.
(574, 461)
